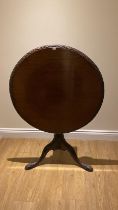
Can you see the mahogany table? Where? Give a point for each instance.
(57, 89)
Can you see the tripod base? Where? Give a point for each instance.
(59, 142)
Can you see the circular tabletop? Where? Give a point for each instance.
(56, 89)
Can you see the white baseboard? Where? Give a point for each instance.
(79, 134)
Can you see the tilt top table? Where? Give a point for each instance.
(56, 89)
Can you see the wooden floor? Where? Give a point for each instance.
(58, 184)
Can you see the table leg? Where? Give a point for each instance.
(59, 142)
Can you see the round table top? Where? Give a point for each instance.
(56, 89)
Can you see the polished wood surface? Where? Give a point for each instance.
(58, 184)
(56, 89)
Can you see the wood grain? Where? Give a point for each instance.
(57, 91)
(58, 183)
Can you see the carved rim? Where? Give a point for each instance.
(54, 46)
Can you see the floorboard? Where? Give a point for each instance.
(58, 183)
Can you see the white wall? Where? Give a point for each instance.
(88, 25)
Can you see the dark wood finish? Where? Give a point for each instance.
(57, 89)
(59, 142)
